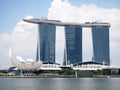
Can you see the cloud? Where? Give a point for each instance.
(64, 11)
(24, 37)
(22, 40)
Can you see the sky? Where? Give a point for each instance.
(21, 36)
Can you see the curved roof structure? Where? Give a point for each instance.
(51, 63)
(22, 64)
(88, 62)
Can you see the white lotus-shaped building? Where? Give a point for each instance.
(22, 64)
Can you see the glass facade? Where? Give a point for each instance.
(100, 37)
(46, 42)
(73, 47)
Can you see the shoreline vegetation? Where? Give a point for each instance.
(94, 76)
(64, 73)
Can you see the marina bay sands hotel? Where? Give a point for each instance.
(73, 41)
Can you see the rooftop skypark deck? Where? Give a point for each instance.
(59, 23)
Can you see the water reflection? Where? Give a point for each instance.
(59, 84)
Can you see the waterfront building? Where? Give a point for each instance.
(73, 41)
(100, 36)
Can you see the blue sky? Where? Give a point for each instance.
(12, 28)
(99, 3)
(12, 11)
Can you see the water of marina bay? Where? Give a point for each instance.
(59, 83)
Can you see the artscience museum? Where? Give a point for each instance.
(22, 64)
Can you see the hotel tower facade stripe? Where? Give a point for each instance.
(73, 44)
(100, 37)
(47, 42)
